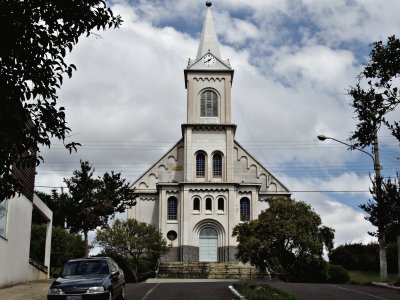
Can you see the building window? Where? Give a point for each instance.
(3, 217)
(209, 104)
(221, 204)
(217, 165)
(172, 213)
(196, 204)
(172, 235)
(244, 209)
(200, 165)
(208, 204)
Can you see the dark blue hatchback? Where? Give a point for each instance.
(89, 278)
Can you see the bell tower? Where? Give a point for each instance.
(209, 129)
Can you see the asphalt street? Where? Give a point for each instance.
(214, 290)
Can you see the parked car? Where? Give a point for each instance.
(89, 278)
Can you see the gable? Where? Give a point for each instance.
(248, 170)
(168, 169)
(198, 64)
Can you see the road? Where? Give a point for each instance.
(175, 291)
(219, 291)
(311, 291)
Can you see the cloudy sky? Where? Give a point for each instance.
(294, 60)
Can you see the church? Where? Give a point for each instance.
(207, 183)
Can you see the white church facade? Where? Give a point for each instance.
(207, 183)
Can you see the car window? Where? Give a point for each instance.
(85, 267)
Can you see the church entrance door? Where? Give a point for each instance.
(208, 245)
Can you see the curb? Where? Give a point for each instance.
(386, 285)
(236, 293)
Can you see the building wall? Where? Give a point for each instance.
(14, 248)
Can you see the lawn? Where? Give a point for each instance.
(262, 292)
(365, 277)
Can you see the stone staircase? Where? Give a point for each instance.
(209, 270)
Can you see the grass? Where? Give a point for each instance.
(261, 292)
(365, 277)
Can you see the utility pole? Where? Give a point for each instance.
(381, 235)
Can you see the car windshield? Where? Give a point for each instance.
(85, 267)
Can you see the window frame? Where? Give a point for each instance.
(172, 212)
(217, 165)
(4, 219)
(210, 200)
(201, 166)
(245, 212)
(209, 104)
(197, 211)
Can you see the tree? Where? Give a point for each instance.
(132, 240)
(93, 201)
(287, 237)
(64, 246)
(54, 202)
(371, 107)
(37, 34)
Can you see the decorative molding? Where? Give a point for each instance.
(208, 78)
(172, 192)
(148, 198)
(216, 189)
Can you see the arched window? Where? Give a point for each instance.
(217, 165)
(209, 104)
(221, 204)
(244, 209)
(172, 211)
(208, 204)
(196, 204)
(200, 165)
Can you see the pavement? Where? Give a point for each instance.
(33, 290)
(37, 290)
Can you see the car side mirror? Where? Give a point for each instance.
(115, 274)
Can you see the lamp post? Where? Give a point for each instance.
(375, 159)
(377, 169)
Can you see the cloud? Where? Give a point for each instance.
(293, 62)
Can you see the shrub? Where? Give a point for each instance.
(337, 274)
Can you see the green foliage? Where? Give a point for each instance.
(93, 201)
(366, 277)
(64, 246)
(337, 274)
(32, 67)
(38, 242)
(54, 202)
(357, 256)
(132, 240)
(287, 238)
(261, 292)
(382, 96)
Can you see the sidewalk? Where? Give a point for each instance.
(33, 290)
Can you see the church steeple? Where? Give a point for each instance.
(209, 40)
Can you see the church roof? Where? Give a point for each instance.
(209, 40)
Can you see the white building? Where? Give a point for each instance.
(207, 183)
(15, 236)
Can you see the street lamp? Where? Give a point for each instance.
(377, 167)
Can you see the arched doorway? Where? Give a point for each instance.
(208, 245)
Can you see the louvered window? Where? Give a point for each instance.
(209, 104)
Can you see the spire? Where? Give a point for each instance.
(209, 40)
